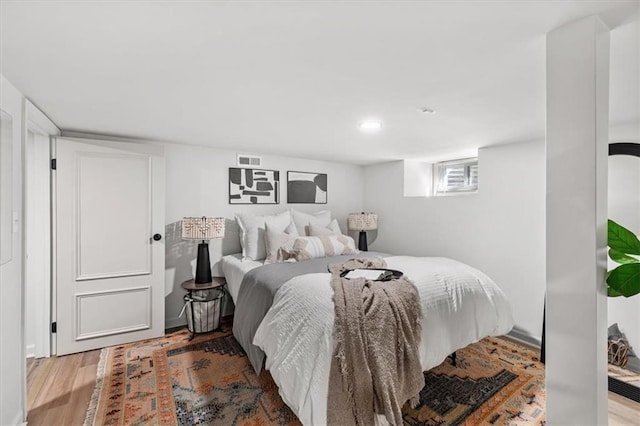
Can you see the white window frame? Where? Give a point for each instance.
(440, 187)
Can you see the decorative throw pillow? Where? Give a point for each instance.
(317, 231)
(301, 219)
(252, 232)
(303, 248)
(274, 239)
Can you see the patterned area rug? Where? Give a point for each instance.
(495, 382)
(209, 381)
(174, 381)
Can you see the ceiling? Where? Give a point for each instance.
(296, 78)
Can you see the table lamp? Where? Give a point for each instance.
(202, 228)
(362, 222)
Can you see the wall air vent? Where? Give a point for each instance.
(249, 161)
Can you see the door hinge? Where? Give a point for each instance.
(53, 164)
(54, 327)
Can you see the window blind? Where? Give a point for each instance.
(456, 176)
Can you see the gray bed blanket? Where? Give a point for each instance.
(259, 287)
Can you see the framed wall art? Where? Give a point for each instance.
(306, 188)
(253, 186)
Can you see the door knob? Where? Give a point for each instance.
(157, 237)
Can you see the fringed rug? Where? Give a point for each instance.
(209, 381)
(174, 381)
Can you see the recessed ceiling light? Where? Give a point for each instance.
(427, 110)
(370, 125)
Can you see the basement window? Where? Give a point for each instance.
(455, 177)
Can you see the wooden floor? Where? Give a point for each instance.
(59, 390)
(623, 411)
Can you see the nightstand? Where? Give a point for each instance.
(203, 303)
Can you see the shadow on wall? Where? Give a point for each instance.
(230, 243)
(372, 236)
(180, 255)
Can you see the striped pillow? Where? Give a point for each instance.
(303, 248)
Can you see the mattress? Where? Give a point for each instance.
(234, 269)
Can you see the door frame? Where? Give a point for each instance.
(39, 124)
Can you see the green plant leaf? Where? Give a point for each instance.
(625, 279)
(618, 257)
(621, 239)
(612, 293)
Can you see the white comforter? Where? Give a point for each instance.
(460, 305)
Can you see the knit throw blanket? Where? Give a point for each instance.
(376, 367)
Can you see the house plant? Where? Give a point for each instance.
(624, 247)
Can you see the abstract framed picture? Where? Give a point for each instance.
(253, 186)
(306, 188)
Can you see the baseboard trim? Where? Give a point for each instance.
(30, 351)
(174, 322)
(524, 337)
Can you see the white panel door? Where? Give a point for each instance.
(109, 267)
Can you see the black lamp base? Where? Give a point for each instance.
(362, 241)
(203, 265)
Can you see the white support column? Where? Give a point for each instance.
(577, 147)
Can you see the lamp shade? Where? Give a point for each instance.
(202, 228)
(362, 221)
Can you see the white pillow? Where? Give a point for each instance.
(274, 239)
(252, 232)
(303, 248)
(317, 231)
(301, 219)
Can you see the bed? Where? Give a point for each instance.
(284, 318)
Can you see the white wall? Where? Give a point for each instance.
(12, 360)
(197, 184)
(624, 208)
(500, 230)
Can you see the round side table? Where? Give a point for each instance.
(191, 287)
